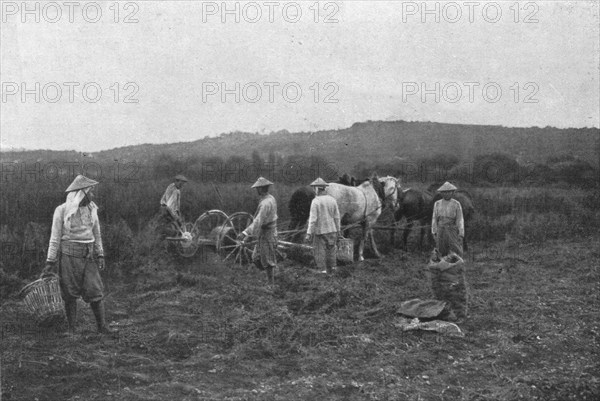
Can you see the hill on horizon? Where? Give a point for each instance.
(371, 141)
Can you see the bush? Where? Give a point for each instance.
(496, 168)
(573, 171)
(9, 284)
(118, 242)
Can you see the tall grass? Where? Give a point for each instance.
(531, 214)
(521, 214)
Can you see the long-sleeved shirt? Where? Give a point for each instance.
(448, 213)
(265, 217)
(84, 228)
(170, 198)
(324, 216)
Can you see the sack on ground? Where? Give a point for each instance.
(448, 283)
(423, 309)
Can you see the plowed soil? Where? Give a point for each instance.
(196, 329)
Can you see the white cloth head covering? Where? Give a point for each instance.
(74, 198)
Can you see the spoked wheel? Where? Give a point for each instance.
(207, 227)
(188, 245)
(228, 246)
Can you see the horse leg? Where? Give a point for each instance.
(292, 227)
(430, 239)
(407, 228)
(373, 246)
(363, 239)
(361, 247)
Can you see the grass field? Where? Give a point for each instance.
(197, 329)
(205, 331)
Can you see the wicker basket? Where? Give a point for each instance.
(345, 250)
(42, 298)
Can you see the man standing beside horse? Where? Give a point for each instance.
(264, 226)
(447, 223)
(324, 227)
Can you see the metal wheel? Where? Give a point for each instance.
(188, 246)
(228, 246)
(208, 225)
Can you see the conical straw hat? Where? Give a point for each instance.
(319, 182)
(81, 182)
(447, 187)
(261, 182)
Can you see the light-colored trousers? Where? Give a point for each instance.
(448, 240)
(325, 248)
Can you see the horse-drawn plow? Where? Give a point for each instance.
(361, 207)
(217, 230)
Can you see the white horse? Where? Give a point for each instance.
(357, 205)
(360, 205)
(391, 186)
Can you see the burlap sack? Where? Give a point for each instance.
(448, 283)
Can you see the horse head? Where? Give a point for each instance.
(348, 180)
(390, 188)
(378, 187)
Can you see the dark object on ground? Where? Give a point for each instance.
(448, 284)
(423, 309)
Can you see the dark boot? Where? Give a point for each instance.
(270, 279)
(99, 314)
(259, 264)
(71, 312)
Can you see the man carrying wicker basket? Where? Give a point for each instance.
(75, 252)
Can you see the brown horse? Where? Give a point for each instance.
(299, 207)
(348, 180)
(415, 206)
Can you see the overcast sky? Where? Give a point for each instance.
(162, 77)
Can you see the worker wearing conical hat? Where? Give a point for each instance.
(75, 252)
(323, 227)
(170, 207)
(447, 223)
(264, 227)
